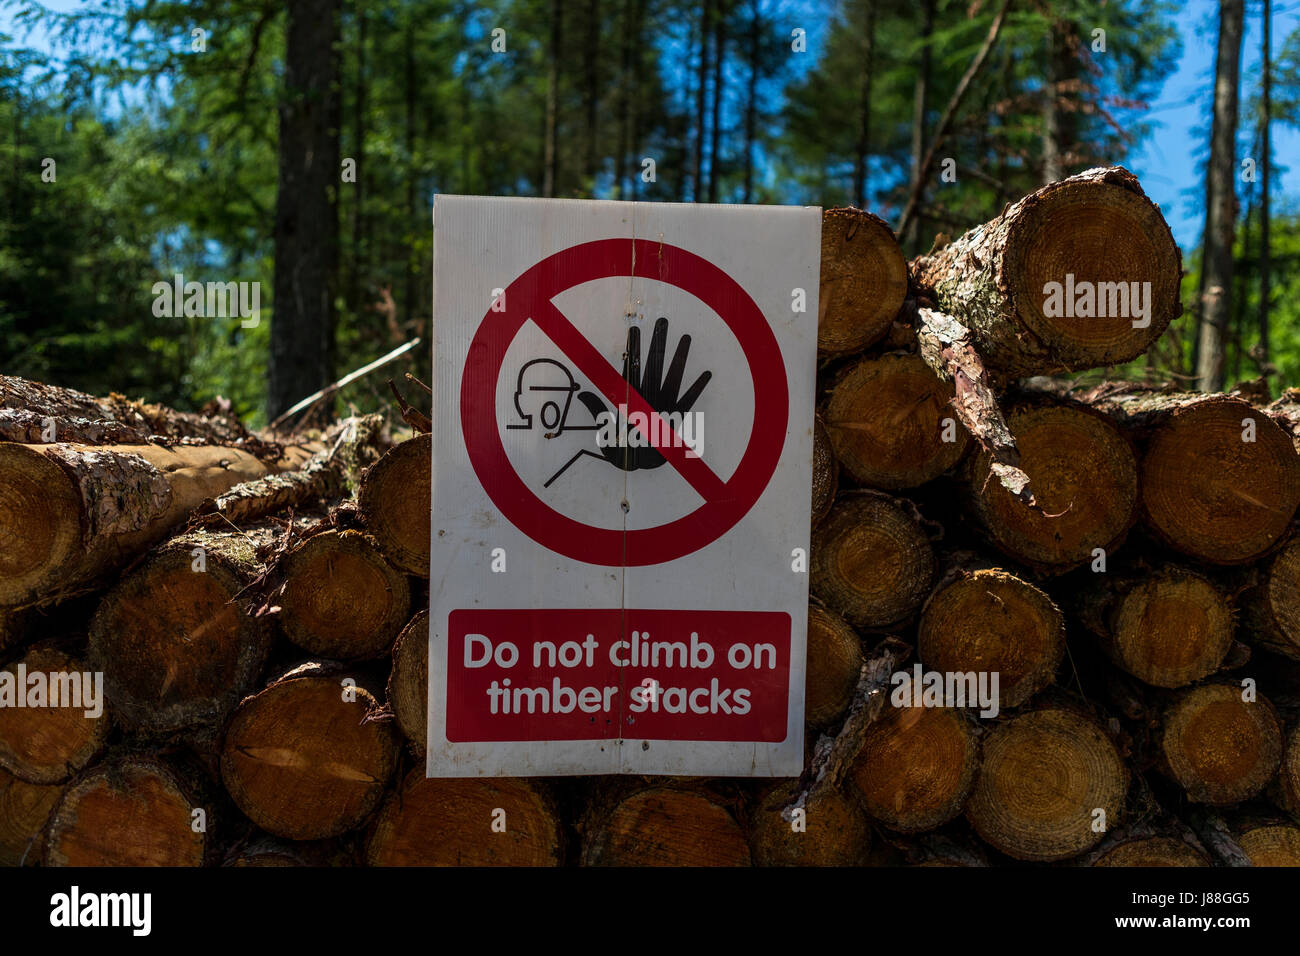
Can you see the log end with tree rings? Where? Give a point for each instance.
(1220, 480)
(132, 811)
(1220, 748)
(916, 767)
(24, 808)
(40, 522)
(1110, 250)
(990, 621)
(1170, 628)
(53, 736)
(1084, 475)
(892, 424)
(408, 682)
(825, 472)
(305, 758)
(1273, 612)
(434, 821)
(665, 826)
(871, 560)
(1050, 783)
(1285, 789)
(863, 281)
(1152, 851)
(832, 830)
(174, 638)
(395, 501)
(834, 661)
(341, 599)
(1271, 845)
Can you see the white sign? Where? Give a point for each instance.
(622, 451)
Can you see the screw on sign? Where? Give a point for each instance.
(650, 620)
(529, 297)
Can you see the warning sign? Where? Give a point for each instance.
(621, 494)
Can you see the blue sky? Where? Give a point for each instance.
(1167, 162)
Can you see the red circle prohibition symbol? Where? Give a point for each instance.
(529, 297)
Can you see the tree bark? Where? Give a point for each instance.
(1221, 200)
(920, 107)
(1096, 227)
(306, 215)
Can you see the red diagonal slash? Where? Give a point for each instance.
(618, 391)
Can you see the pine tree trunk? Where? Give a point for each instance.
(395, 503)
(432, 821)
(308, 757)
(1096, 227)
(863, 281)
(78, 513)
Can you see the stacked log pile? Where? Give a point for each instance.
(1123, 558)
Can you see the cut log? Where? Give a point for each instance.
(665, 826)
(351, 445)
(833, 831)
(131, 811)
(916, 767)
(395, 503)
(30, 411)
(24, 808)
(1219, 748)
(408, 682)
(175, 640)
(1220, 479)
(1167, 626)
(340, 598)
(1271, 845)
(308, 757)
(1099, 239)
(863, 281)
(1084, 475)
(825, 473)
(52, 716)
(1285, 789)
(13, 628)
(1270, 604)
(891, 422)
(71, 515)
(871, 560)
(834, 663)
(1042, 777)
(1152, 851)
(432, 821)
(987, 620)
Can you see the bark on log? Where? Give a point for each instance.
(1220, 479)
(1219, 748)
(432, 821)
(1096, 227)
(871, 560)
(1085, 480)
(408, 682)
(71, 515)
(28, 409)
(129, 811)
(825, 474)
(863, 281)
(985, 619)
(309, 757)
(24, 808)
(349, 447)
(917, 767)
(664, 826)
(833, 830)
(176, 640)
(339, 598)
(834, 662)
(395, 503)
(42, 741)
(1167, 626)
(1042, 776)
(891, 422)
